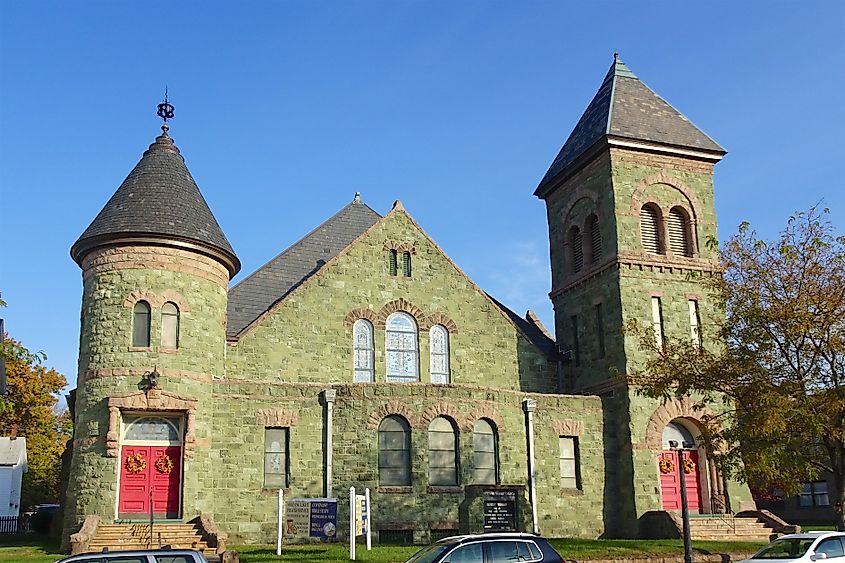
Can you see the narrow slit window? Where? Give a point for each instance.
(392, 262)
(570, 475)
(694, 323)
(406, 264)
(657, 321)
(595, 238)
(679, 232)
(650, 229)
(169, 326)
(439, 360)
(577, 249)
(362, 336)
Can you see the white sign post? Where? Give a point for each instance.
(360, 519)
(281, 521)
(369, 515)
(352, 523)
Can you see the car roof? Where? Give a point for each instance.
(811, 535)
(130, 553)
(489, 536)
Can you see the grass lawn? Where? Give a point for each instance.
(32, 549)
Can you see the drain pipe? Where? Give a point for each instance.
(529, 406)
(329, 396)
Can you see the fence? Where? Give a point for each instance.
(15, 524)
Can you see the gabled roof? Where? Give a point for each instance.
(255, 294)
(12, 452)
(159, 200)
(531, 327)
(626, 108)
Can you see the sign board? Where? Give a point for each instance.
(360, 515)
(500, 511)
(311, 517)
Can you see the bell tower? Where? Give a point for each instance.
(629, 202)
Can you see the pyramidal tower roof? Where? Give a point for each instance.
(626, 110)
(158, 203)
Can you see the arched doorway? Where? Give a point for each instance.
(671, 472)
(150, 467)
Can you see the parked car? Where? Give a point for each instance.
(162, 555)
(41, 517)
(489, 548)
(805, 547)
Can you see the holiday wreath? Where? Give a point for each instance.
(666, 465)
(164, 464)
(135, 463)
(689, 466)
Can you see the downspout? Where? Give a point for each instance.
(329, 396)
(529, 406)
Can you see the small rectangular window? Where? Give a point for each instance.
(814, 494)
(392, 263)
(657, 321)
(694, 323)
(570, 476)
(600, 329)
(275, 458)
(406, 264)
(576, 352)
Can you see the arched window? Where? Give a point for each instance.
(675, 432)
(439, 341)
(576, 248)
(141, 325)
(392, 262)
(442, 453)
(151, 429)
(169, 325)
(394, 452)
(650, 229)
(595, 238)
(406, 264)
(485, 456)
(402, 350)
(679, 232)
(362, 337)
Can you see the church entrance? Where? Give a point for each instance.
(671, 471)
(151, 468)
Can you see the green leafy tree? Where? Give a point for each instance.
(775, 367)
(31, 405)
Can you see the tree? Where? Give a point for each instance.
(775, 367)
(31, 405)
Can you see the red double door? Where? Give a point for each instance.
(158, 483)
(670, 480)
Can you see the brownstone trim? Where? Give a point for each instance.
(487, 411)
(358, 314)
(397, 305)
(685, 408)
(398, 491)
(168, 350)
(128, 372)
(568, 427)
(154, 257)
(400, 246)
(438, 318)
(445, 409)
(154, 400)
(638, 198)
(449, 490)
(281, 418)
(693, 297)
(142, 294)
(140, 348)
(393, 407)
(571, 492)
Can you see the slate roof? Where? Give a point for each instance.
(158, 198)
(12, 452)
(255, 294)
(625, 107)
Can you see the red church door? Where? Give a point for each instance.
(670, 480)
(150, 473)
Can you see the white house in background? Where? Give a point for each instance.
(12, 468)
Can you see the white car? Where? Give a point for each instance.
(140, 556)
(806, 547)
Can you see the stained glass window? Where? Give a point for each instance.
(151, 429)
(362, 334)
(439, 361)
(275, 458)
(169, 325)
(402, 350)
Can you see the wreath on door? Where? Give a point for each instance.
(667, 466)
(164, 464)
(689, 466)
(135, 463)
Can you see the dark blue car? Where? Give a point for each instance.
(489, 548)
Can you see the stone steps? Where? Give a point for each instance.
(124, 537)
(726, 527)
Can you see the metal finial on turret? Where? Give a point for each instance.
(616, 56)
(165, 111)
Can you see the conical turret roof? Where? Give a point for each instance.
(626, 109)
(158, 203)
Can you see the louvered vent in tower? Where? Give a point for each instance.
(577, 249)
(649, 230)
(595, 238)
(678, 233)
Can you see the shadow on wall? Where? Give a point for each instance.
(620, 514)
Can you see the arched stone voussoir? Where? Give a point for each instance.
(684, 407)
(389, 408)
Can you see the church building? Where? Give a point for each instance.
(363, 356)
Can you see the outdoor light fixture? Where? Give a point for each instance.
(151, 379)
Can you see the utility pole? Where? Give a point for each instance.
(684, 506)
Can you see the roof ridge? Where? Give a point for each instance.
(305, 237)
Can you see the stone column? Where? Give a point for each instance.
(329, 396)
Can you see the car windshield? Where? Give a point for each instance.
(429, 553)
(785, 548)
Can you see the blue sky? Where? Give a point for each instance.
(285, 109)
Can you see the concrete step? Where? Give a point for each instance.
(123, 537)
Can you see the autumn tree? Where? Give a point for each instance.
(775, 367)
(31, 405)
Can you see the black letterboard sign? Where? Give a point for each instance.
(499, 511)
